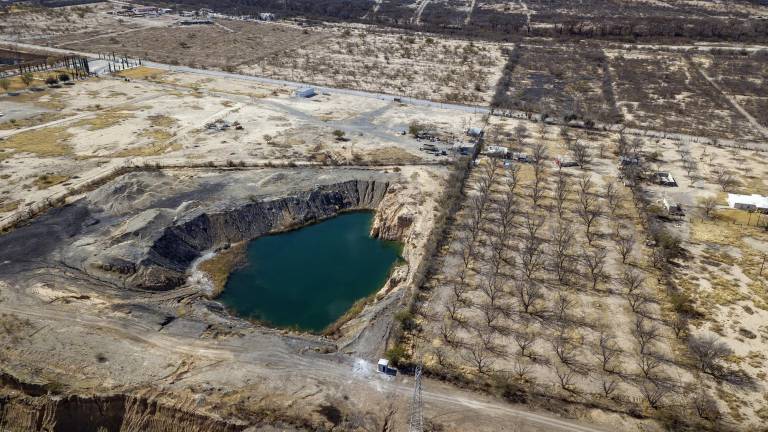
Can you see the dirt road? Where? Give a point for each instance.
(277, 358)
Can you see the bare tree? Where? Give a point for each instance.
(705, 406)
(566, 377)
(632, 280)
(477, 355)
(564, 303)
(521, 132)
(609, 384)
(645, 333)
(653, 392)
(537, 187)
(564, 349)
(531, 254)
(590, 209)
(513, 177)
(448, 332)
(679, 324)
(625, 244)
(539, 153)
(608, 351)
(708, 352)
(725, 179)
(594, 261)
(466, 243)
(581, 154)
(637, 301)
(524, 340)
(562, 190)
(492, 286)
(529, 294)
(611, 196)
(691, 167)
(453, 309)
(648, 364)
(709, 204)
(562, 243)
(522, 368)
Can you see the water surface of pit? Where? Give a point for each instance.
(309, 277)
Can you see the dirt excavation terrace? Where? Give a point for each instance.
(97, 297)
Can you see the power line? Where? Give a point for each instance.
(416, 420)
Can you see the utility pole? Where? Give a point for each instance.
(416, 420)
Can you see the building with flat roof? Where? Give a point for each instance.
(752, 202)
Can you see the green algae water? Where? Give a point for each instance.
(309, 277)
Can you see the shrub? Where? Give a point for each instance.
(51, 80)
(63, 77)
(396, 354)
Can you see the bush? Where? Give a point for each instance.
(396, 355)
(51, 80)
(63, 77)
(415, 128)
(405, 318)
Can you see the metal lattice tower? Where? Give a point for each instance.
(416, 421)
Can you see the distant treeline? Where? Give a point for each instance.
(495, 25)
(60, 3)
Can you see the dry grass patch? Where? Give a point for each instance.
(35, 120)
(45, 99)
(9, 206)
(221, 265)
(47, 180)
(103, 120)
(50, 141)
(737, 217)
(391, 155)
(161, 120)
(141, 72)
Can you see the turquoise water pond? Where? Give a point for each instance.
(309, 277)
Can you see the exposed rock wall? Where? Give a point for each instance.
(394, 218)
(113, 413)
(164, 267)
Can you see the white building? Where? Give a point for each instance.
(497, 151)
(752, 202)
(475, 132)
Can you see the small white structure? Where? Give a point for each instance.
(521, 157)
(673, 208)
(497, 151)
(305, 92)
(266, 16)
(628, 160)
(475, 132)
(752, 202)
(383, 367)
(664, 179)
(563, 161)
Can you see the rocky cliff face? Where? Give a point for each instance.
(394, 218)
(165, 264)
(114, 413)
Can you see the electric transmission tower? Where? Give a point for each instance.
(416, 421)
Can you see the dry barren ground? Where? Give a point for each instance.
(56, 137)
